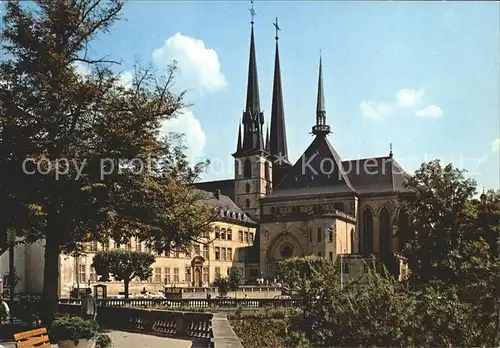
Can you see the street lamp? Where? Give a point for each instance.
(330, 230)
(11, 239)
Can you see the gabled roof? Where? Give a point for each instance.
(376, 174)
(319, 166)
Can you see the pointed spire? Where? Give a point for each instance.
(238, 145)
(268, 145)
(390, 152)
(278, 146)
(321, 128)
(253, 118)
(253, 100)
(320, 104)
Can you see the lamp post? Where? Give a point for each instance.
(330, 230)
(11, 236)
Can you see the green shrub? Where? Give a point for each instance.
(104, 341)
(73, 329)
(267, 327)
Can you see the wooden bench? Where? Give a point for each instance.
(32, 338)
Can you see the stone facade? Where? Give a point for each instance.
(218, 252)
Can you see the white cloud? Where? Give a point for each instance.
(495, 145)
(126, 79)
(409, 97)
(375, 110)
(187, 124)
(82, 69)
(406, 98)
(430, 111)
(198, 66)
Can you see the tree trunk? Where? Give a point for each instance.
(50, 276)
(125, 286)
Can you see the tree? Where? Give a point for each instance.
(222, 285)
(309, 275)
(454, 243)
(235, 279)
(123, 265)
(442, 215)
(77, 146)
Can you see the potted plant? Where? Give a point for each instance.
(77, 332)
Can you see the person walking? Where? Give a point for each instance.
(4, 310)
(89, 306)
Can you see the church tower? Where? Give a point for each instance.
(252, 167)
(277, 142)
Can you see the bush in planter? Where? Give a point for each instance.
(75, 329)
(103, 341)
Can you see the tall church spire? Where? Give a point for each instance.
(278, 144)
(253, 118)
(253, 100)
(321, 128)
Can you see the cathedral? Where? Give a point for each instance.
(320, 205)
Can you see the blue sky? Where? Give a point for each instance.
(423, 76)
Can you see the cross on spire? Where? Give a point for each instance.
(276, 26)
(252, 12)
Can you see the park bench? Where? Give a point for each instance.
(32, 338)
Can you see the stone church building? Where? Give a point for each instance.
(321, 204)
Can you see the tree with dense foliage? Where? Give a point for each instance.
(309, 275)
(84, 157)
(222, 285)
(235, 278)
(454, 241)
(123, 265)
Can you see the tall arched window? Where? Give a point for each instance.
(266, 168)
(236, 167)
(247, 203)
(247, 188)
(367, 243)
(247, 169)
(385, 235)
(403, 230)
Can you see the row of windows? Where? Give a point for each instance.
(227, 234)
(222, 234)
(223, 254)
(166, 275)
(317, 208)
(366, 242)
(319, 235)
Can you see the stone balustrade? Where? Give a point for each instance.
(186, 303)
(190, 325)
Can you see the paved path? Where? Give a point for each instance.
(132, 340)
(224, 336)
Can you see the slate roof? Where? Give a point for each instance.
(362, 176)
(374, 175)
(227, 205)
(226, 187)
(319, 166)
